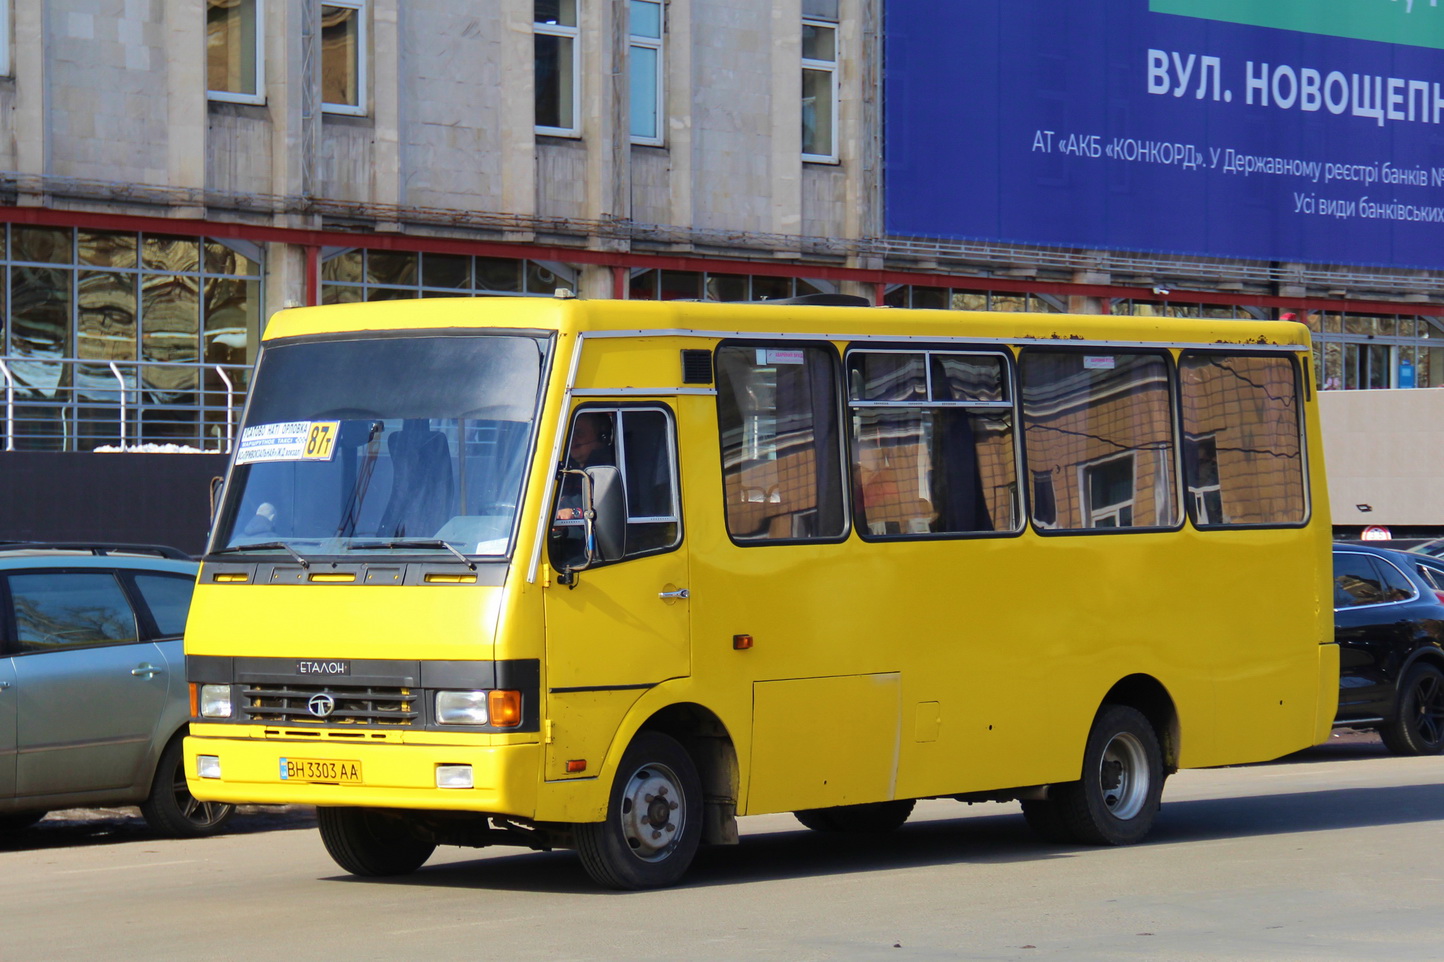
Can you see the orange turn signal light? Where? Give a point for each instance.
(195, 700)
(576, 765)
(503, 708)
(741, 642)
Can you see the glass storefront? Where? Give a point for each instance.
(349, 275)
(111, 336)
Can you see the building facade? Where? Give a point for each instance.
(172, 172)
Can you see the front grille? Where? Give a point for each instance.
(354, 705)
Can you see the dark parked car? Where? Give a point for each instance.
(1430, 568)
(93, 695)
(1389, 623)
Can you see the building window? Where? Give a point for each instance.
(349, 275)
(1362, 351)
(234, 65)
(5, 67)
(557, 67)
(1108, 489)
(343, 57)
(170, 321)
(819, 83)
(944, 298)
(645, 79)
(648, 284)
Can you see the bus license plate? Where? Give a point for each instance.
(335, 770)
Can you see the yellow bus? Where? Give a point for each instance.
(607, 575)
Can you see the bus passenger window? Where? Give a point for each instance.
(1101, 426)
(1242, 442)
(777, 407)
(639, 441)
(932, 443)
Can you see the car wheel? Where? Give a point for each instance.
(654, 818)
(172, 810)
(876, 818)
(367, 841)
(15, 821)
(1116, 800)
(1418, 725)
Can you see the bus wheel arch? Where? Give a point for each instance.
(1116, 800)
(1131, 749)
(1146, 694)
(707, 741)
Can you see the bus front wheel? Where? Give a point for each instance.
(369, 842)
(1116, 800)
(654, 818)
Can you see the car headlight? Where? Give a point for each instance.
(461, 708)
(215, 701)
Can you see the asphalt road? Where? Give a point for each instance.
(1332, 854)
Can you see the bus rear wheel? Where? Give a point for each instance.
(876, 818)
(369, 842)
(1116, 800)
(654, 818)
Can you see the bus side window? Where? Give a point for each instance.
(639, 441)
(932, 442)
(782, 475)
(1101, 425)
(650, 474)
(1243, 445)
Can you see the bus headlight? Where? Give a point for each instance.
(461, 707)
(215, 701)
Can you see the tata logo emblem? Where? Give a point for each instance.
(321, 705)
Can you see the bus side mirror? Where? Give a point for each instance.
(604, 517)
(608, 515)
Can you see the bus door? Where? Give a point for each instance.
(622, 626)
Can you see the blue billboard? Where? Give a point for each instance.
(1281, 130)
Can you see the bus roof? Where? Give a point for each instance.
(720, 319)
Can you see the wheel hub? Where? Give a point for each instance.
(1123, 776)
(652, 814)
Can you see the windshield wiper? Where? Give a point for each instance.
(266, 546)
(416, 543)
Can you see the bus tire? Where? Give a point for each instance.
(369, 842)
(654, 818)
(1418, 725)
(1116, 800)
(172, 810)
(875, 818)
(1045, 818)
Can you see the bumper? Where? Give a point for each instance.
(391, 775)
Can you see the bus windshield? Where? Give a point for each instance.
(393, 446)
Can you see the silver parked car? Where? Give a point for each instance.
(93, 695)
